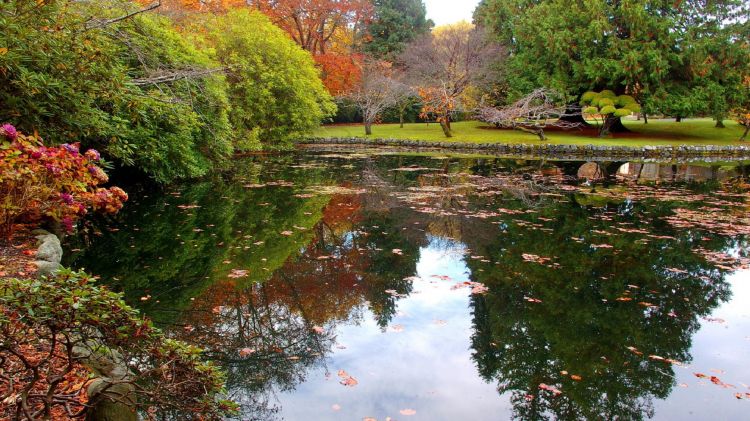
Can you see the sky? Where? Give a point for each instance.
(450, 11)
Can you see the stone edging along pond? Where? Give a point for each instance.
(544, 149)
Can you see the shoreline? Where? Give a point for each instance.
(546, 150)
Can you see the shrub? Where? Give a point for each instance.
(52, 330)
(90, 85)
(275, 91)
(607, 104)
(61, 183)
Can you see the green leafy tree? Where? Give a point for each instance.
(275, 90)
(395, 24)
(632, 48)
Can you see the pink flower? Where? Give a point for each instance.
(98, 174)
(73, 149)
(67, 198)
(9, 132)
(67, 223)
(93, 155)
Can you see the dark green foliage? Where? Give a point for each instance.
(644, 48)
(396, 23)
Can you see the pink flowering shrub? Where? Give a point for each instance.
(59, 183)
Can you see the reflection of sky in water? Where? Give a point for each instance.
(721, 348)
(426, 367)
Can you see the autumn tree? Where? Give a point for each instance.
(445, 63)
(377, 91)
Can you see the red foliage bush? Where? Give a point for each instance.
(59, 183)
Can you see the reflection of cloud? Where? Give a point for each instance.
(427, 366)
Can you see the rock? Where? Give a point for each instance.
(50, 248)
(108, 409)
(45, 268)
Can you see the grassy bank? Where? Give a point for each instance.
(692, 132)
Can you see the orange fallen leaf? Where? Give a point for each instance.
(244, 352)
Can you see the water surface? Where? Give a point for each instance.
(342, 286)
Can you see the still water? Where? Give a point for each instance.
(345, 286)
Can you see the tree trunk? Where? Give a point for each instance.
(368, 129)
(720, 122)
(445, 125)
(744, 135)
(401, 118)
(612, 125)
(617, 126)
(645, 118)
(678, 119)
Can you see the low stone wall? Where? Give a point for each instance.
(557, 151)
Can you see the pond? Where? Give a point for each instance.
(350, 286)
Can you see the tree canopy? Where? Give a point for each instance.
(645, 48)
(395, 23)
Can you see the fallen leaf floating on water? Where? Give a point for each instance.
(714, 320)
(286, 233)
(407, 412)
(476, 287)
(666, 360)
(576, 377)
(532, 300)
(244, 352)
(336, 407)
(238, 273)
(318, 329)
(397, 328)
(346, 379)
(398, 252)
(634, 350)
(555, 391)
(715, 380)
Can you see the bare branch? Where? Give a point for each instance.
(532, 114)
(168, 77)
(101, 23)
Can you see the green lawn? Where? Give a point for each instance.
(656, 132)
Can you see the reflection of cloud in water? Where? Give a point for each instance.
(423, 367)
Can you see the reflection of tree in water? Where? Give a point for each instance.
(647, 292)
(339, 261)
(267, 334)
